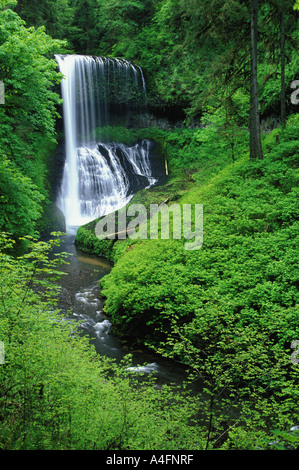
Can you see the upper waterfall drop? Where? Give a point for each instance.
(100, 177)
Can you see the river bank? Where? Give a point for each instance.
(229, 310)
(80, 300)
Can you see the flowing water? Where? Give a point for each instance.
(80, 300)
(100, 176)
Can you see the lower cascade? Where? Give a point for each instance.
(100, 176)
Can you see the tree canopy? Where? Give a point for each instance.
(28, 118)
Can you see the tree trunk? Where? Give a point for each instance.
(255, 133)
(282, 69)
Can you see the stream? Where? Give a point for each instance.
(80, 299)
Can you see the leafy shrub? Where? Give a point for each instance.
(19, 201)
(87, 241)
(56, 392)
(230, 309)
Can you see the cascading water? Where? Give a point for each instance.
(100, 177)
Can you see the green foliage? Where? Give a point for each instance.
(56, 16)
(193, 53)
(87, 241)
(152, 306)
(56, 392)
(29, 75)
(28, 119)
(117, 134)
(230, 309)
(20, 200)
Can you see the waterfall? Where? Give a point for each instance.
(100, 176)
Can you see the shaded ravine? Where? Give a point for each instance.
(80, 299)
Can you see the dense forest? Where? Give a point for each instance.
(222, 90)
